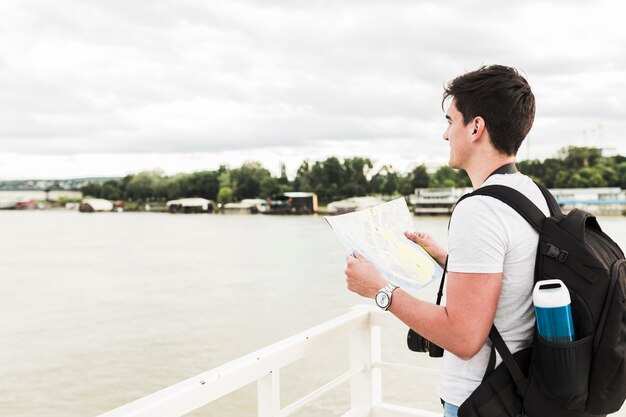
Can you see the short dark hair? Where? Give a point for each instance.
(502, 97)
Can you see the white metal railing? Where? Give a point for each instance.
(362, 325)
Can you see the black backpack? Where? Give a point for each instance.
(576, 379)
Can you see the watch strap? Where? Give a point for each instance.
(388, 290)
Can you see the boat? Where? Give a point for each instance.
(246, 206)
(17, 203)
(602, 201)
(436, 201)
(190, 205)
(259, 204)
(7, 203)
(361, 326)
(26, 204)
(351, 204)
(92, 205)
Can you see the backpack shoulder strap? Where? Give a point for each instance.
(516, 200)
(520, 379)
(553, 205)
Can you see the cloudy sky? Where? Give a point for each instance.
(101, 88)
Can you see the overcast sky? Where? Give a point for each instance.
(107, 88)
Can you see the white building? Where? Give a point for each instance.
(604, 201)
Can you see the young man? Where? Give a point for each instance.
(491, 251)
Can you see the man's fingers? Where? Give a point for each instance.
(415, 236)
(358, 255)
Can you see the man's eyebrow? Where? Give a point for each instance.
(448, 117)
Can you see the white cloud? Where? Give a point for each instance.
(122, 86)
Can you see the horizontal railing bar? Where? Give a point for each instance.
(193, 393)
(297, 405)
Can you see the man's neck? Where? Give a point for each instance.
(479, 172)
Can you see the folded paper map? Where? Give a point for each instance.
(378, 233)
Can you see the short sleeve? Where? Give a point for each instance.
(477, 240)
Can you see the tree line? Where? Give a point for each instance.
(334, 179)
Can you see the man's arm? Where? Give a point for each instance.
(460, 327)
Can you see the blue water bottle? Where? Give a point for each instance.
(554, 311)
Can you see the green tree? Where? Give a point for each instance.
(609, 173)
(563, 179)
(375, 183)
(142, 186)
(354, 176)
(462, 179)
(592, 176)
(172, 187)
(283, 180)
(303, 180)
(225, 195)
(111, 190)
(328, 177)
(325, 178)
(123, 184)
(564, 171)
(404, 185)
(578, 157)
(621, 174)
(444, 177)
(270, 186)
(203, 184)
(385, 181)
(91, 190)
(223, 175)
(419, 177)
(389, 184)
(246, 180)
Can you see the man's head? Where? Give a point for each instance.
(502, 98)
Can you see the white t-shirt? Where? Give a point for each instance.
(488, 236)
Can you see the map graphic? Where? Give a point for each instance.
(378, 233)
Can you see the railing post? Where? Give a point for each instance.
(365, 385)
(268, 395)
(376, 355)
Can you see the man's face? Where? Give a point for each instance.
(457, 134)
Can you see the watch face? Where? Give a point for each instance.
(382, 299)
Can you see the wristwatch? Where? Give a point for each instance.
(383, 297)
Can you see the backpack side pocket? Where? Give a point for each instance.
(559, 377)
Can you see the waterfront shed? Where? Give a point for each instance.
(302, 202)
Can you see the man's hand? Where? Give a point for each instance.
(430, 245)
(362, 276)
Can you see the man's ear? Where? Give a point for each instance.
(477, 127)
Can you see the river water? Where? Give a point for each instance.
(101, 309)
